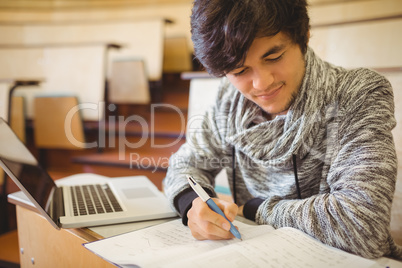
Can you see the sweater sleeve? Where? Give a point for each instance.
(354, 215)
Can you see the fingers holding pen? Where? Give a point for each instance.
(230, 209)
(207, 224)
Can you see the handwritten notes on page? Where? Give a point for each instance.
(285, 247)
(172, 245)
(159, 245)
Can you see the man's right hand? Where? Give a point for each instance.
(205, 224)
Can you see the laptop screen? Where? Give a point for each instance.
(22, 166)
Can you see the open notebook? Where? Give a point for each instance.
(172, 245)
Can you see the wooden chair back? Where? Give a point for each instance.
(58, 123)
(129, 82)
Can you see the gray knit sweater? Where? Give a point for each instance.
(339, 128)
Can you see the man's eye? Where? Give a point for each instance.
(275, 59)
(238, 73)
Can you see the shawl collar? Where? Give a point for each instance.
(273, 143)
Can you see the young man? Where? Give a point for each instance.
(305, 144)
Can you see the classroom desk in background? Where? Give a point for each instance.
(7, 92)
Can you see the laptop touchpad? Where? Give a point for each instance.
(138, 193)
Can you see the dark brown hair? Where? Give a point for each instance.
(223, 30)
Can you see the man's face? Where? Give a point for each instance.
(271, 74)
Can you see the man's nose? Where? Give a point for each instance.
(262, 80)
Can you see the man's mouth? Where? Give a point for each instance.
(270, 94)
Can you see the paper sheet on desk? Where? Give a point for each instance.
(172, 245)
(158, 245)
(286, 247)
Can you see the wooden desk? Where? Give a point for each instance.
(41, 245)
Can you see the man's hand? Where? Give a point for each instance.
(204, 223)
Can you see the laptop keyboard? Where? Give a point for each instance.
(93, 199)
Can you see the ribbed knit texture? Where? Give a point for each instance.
(340, 129)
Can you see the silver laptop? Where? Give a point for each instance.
(115, 200)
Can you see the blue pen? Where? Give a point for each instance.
(211, 204)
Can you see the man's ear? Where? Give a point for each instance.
(308, 37)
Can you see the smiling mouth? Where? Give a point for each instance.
(270, 94)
